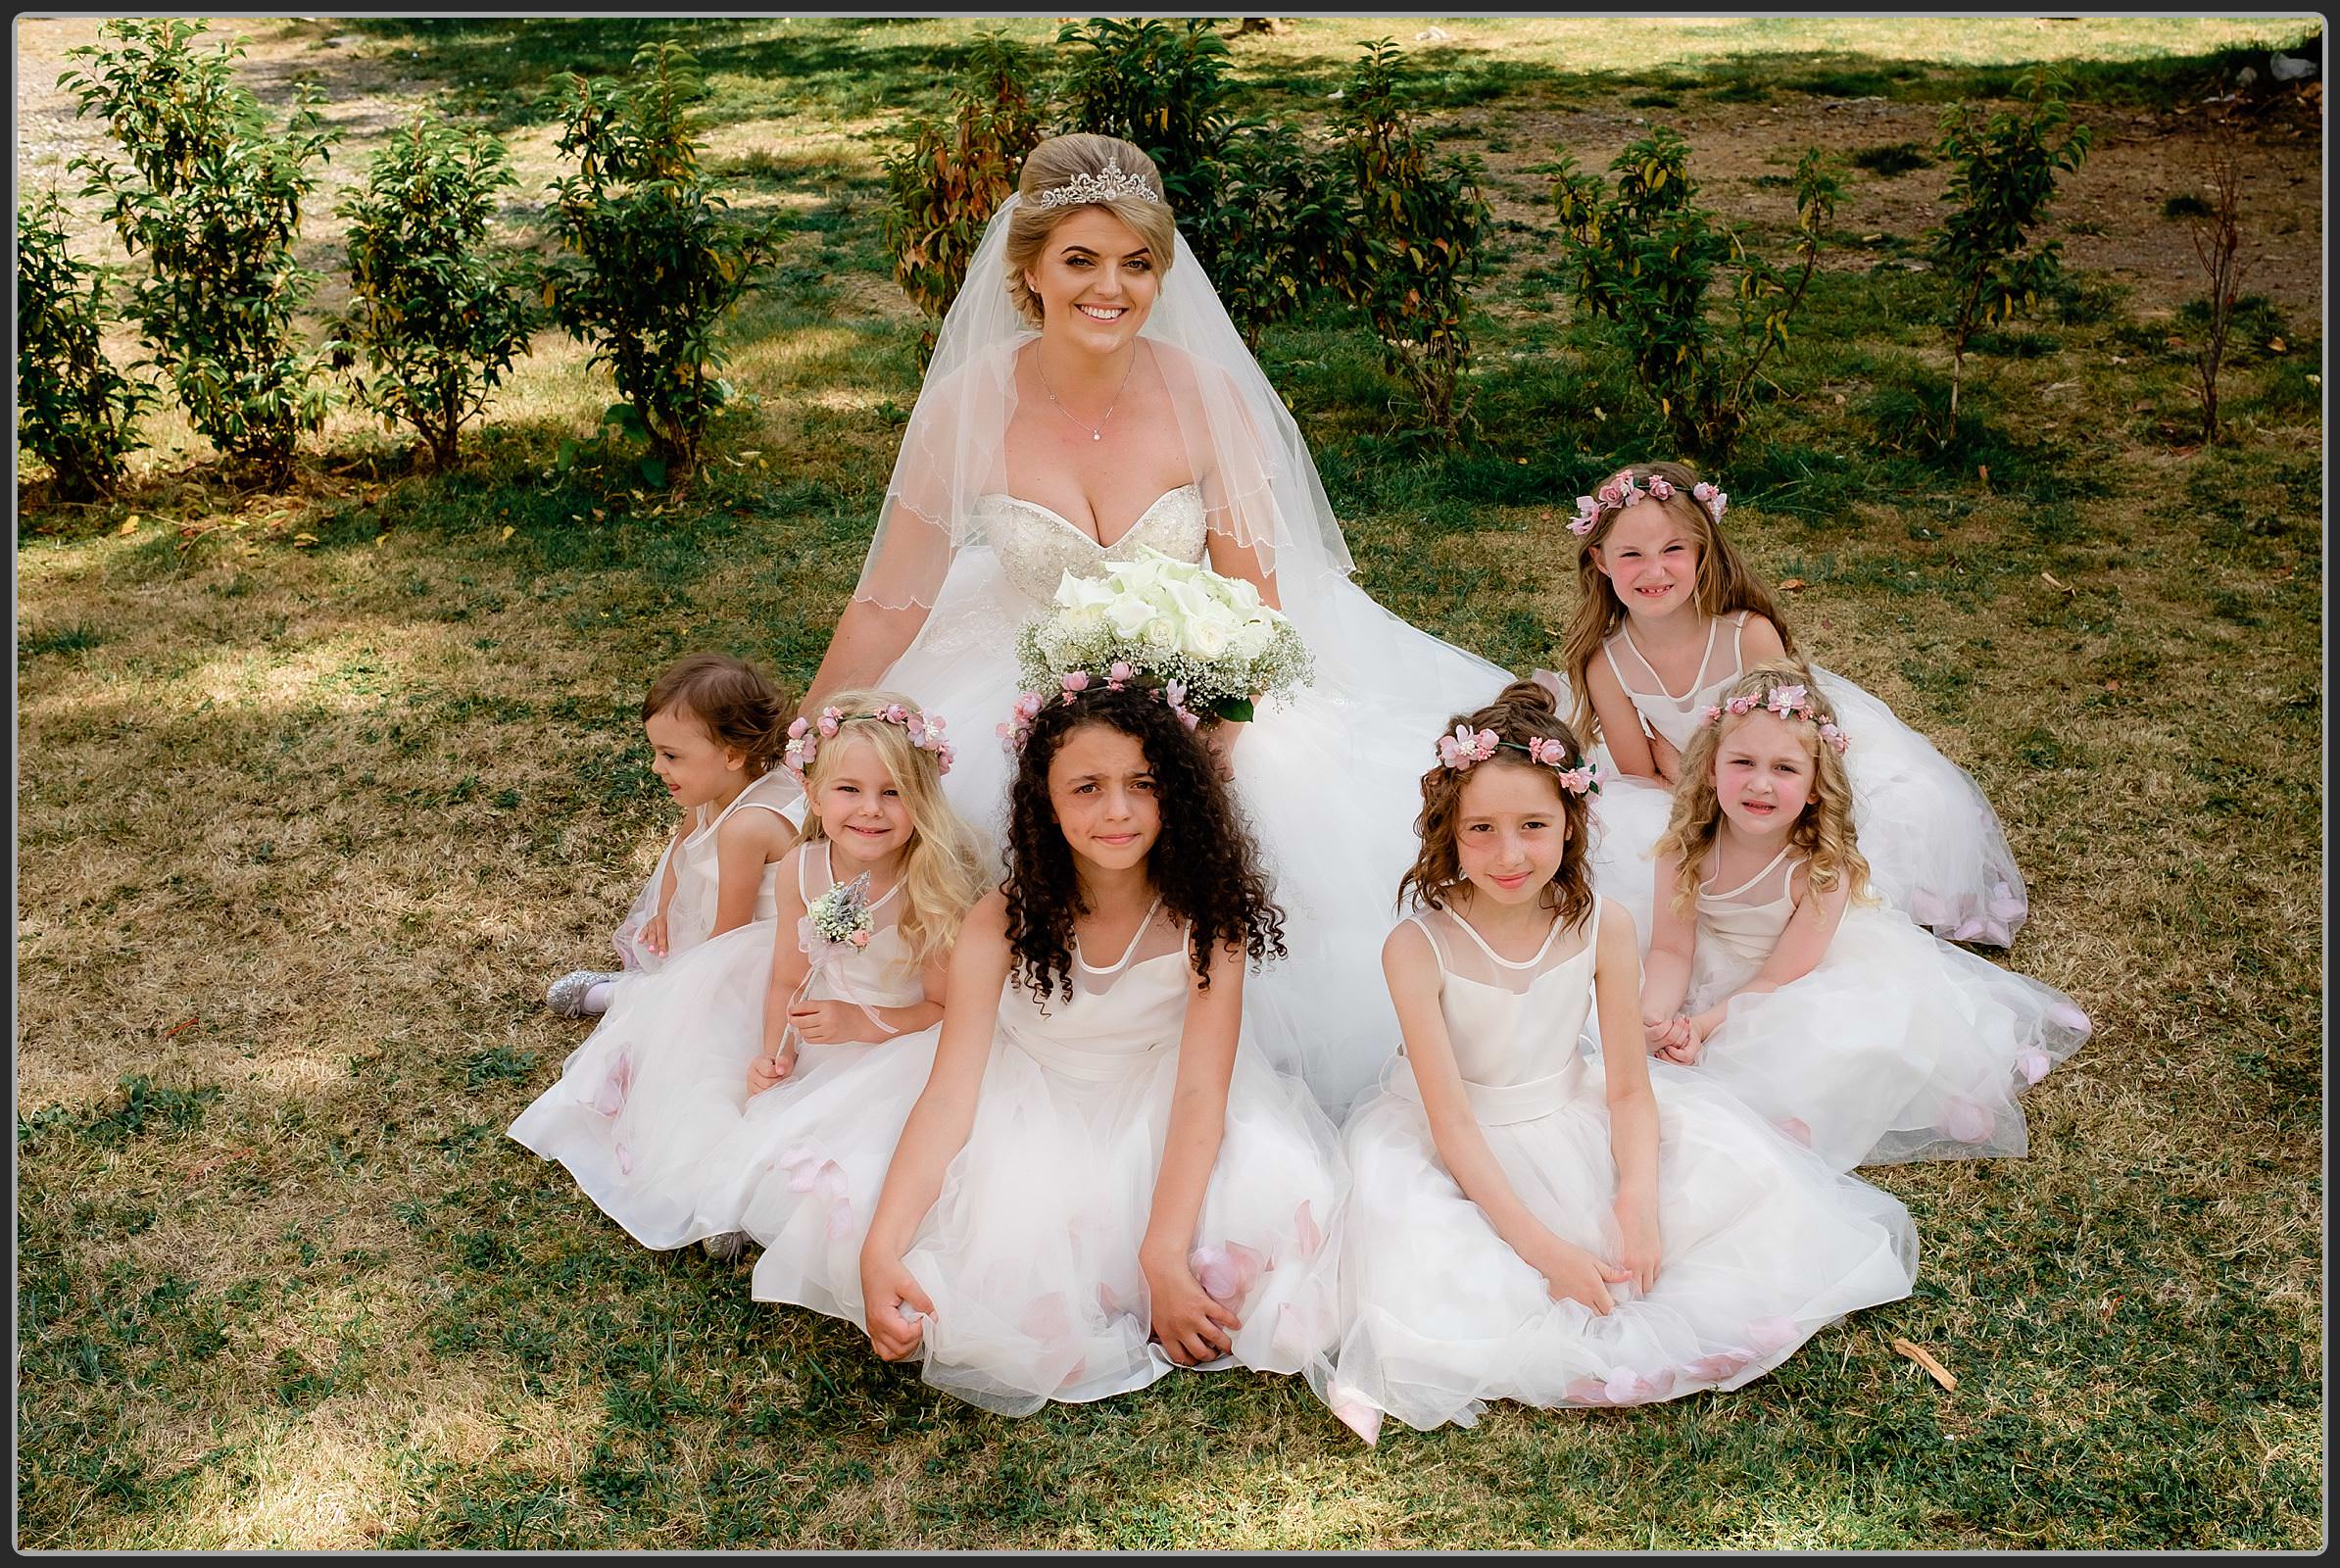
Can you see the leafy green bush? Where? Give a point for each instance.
(1275, 228)
(1163, 86)
(943, 187)
(434, 307)
(1644, 257)
(213, 194)
(75, 411)
(658, 260)
(2003, 170)
(1411, 237)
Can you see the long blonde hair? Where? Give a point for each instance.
(942, 868)
(1823, 832)
(1726, 583)
(1057, 162)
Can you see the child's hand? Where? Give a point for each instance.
(771, 1067)
(1663, 1033)
(1572, 1274)
(1190, 1326)
(1667, 759)
(654, 933)
(886, 1287)
(831, 1023)
(1685, 1041)
(1636, 1222)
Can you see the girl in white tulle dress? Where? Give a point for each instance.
(714, 726)
(1096, 1183)
(656, 1113)
(1528, 1222)
(1852, 1029)
(1668, 614)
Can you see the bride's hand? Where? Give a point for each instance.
(1221, 737)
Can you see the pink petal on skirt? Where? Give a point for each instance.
(1967, 1121)
(2034, 1065)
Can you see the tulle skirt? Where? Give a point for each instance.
(1761, 1247)
(1896, 1046)
(1030, 1254)
(658, 1087)
(1329, 779)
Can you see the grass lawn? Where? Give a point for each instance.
(318, 790)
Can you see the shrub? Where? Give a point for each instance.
(75, 411)
(1276, 226)
(944, 187)
(434, 307)
(2216, 233)
(213, 195)
(1164, 87)
(1644, 256)
(2003, 176)
(660, 261)
(1413, 232)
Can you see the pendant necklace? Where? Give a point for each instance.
(1097, 431)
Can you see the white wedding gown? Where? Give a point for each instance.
(1329, 779)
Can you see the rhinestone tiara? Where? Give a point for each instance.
(1108, 186)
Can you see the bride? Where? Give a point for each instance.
(1089, 395)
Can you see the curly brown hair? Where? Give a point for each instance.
(1824, 835)
(1726, 583)
(1204, 864)
(1521, 713)
(734, 701)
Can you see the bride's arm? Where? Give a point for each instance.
(868, 639)
(1231, 559)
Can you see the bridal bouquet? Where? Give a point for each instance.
(1174, 619)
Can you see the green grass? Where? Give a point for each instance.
(304, 828)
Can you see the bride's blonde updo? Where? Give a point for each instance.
(1059, 160)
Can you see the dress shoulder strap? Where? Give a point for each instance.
(805, 890)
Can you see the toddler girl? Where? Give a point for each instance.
(1532, 1223)
(1665, 604)
(714, 728)
(648, 1113)
(1095, 1183)
(1855, 1031)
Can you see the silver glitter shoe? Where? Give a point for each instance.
(726, 1247)
(567, 995)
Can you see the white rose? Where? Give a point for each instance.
(1251, 639)
(1161, 632)
(1204, 637)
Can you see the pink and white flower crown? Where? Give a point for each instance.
(1073, 683)
(1788, 702)
(1466, 749)
(805, 738)
(1620, 492)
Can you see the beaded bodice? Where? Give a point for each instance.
(1037, 546)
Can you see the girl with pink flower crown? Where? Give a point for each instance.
(1772, 971)
(659, 1115)
(1528, 1222)
(1100, 1180)
(1668, 614)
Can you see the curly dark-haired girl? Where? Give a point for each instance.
(1203, 865)
(1095, 1184)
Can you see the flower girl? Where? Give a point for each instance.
(1858, 1033)
(647, 1114)
(1094, 1184)
(1531, 1223)
(714, 727)
(1666, 604)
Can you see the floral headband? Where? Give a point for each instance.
(804, 739)
(1073, 683)
(1621, 492)
(1465, 750)
(1788, 702)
